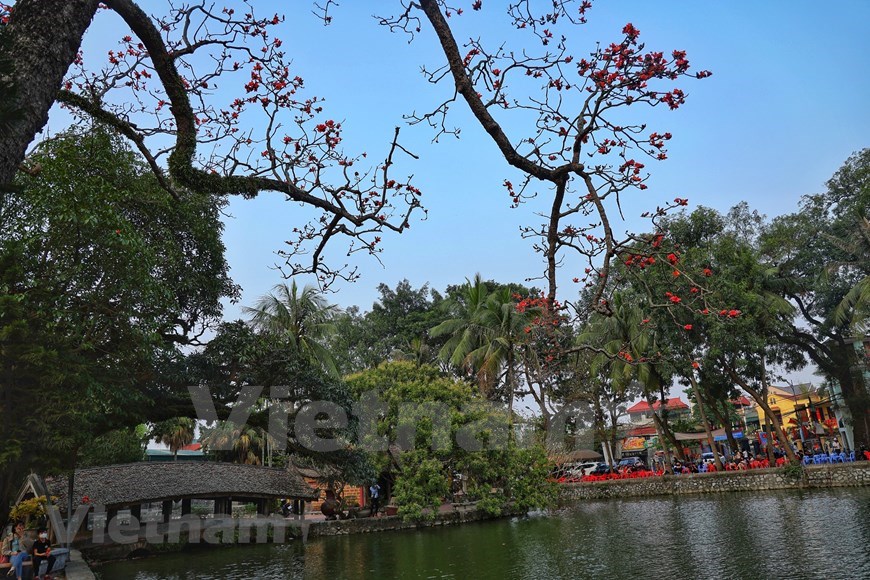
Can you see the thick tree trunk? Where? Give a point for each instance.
(761, 398)
(44, 38)
(661, 437)
(857, 400)
(729, 431)
(721, 415)
(665, 434)
(838, 360)
(710, 441)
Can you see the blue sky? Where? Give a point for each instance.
(786, 105)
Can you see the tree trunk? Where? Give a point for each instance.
(729, 431)
(761, 399)
(838, 360)
(44, 38)
(510, 381)
(780, 433)
(857, 400)
(601, 426)
(724, 419)
(769, 447)
(665, 434)
(710, 441)
(664, 442)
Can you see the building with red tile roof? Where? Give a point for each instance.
(641, 412)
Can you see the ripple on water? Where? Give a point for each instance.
(789, 534)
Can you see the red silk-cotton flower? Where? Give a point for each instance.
(672, 258)
(708, 272)
(687, 327)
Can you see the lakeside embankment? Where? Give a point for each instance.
(810, 477)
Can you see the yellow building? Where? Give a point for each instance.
(806, 417)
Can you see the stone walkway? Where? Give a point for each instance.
(76, 568)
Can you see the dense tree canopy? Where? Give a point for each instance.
(111, 261)
(436, 428)
(103, 275)
(823, 266)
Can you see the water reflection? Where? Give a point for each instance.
(819, 534)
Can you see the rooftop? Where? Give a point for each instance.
(672, 404)
(134, 483)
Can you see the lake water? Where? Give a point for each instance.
(793, 534)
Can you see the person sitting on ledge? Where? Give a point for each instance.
(14, 549)
(42, 552)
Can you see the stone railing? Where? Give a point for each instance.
(813, 476)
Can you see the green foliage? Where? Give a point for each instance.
(821, 262)
(238, 356)
(411, 392)
(396, 328)
(175, 433)
(34, 507)
(793, 470)
(300, 319)
(422, 486)
(119, 446)
(507, 480)
(102, 274)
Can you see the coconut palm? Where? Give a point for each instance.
(484, 333)
(239, 444)
(175, 433)
(463, 328)
(624, 340)
(303, 319)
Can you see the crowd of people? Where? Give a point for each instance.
(736, 461)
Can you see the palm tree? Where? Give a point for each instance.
(302, 318)
(854, 309)
(624, 342)
(175, 433)
(416, 350)
(248, 443)
(463, 329)
(501, 327)
(483, 334)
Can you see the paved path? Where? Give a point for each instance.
(76, 568)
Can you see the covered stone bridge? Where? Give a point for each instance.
(117, 487)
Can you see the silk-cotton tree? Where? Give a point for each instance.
(164, 88)
(160, 89)
(577, 141)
